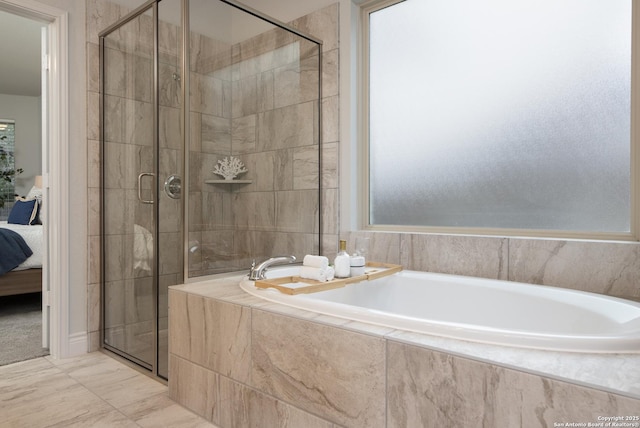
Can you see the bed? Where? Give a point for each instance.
(27, 277)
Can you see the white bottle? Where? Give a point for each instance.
(357, 265)
(342, 262)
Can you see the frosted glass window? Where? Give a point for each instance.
(501, 114)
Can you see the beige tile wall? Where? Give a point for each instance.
(611, 268)
(265, 112)
(260, 364)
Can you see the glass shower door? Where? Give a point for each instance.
(129, 196)
(142, 155)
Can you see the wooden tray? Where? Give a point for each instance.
(297, 285)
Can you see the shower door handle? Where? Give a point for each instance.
(140, 198)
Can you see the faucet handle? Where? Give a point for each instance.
(252, 268)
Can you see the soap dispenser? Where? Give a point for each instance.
(342, 262)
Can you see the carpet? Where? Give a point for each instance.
(21, 328)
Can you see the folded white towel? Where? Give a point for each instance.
(329, 273)
(314, 273)
(315, 261)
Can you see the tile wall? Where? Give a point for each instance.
(611, 268)
(276, 107)
(237, 361)
(264, 111)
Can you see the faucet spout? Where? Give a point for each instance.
(258, 272)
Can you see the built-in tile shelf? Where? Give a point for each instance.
(228, 181)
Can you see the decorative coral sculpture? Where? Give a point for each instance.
(229, 168)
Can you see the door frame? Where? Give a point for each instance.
(55, 174)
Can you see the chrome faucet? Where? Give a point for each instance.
(258, 272)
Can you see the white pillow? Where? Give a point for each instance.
(34, 193)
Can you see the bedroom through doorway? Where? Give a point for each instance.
(24, 324)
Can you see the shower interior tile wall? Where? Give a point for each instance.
(253, 100)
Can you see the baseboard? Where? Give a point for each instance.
(78, 344)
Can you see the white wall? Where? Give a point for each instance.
(25, 111)
(77, 161)
(77, 158)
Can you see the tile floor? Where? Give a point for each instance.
(93, 390)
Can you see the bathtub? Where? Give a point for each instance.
(477, 310)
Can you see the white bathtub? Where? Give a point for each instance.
(479, 310)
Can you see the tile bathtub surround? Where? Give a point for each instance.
(611, 268)
(429, 388)
(329, 371)
(317, 368)
(93, 390)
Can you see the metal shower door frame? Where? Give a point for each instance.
(153, 6)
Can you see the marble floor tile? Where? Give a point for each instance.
(93, 390)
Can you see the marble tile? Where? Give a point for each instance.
(170, 128)
(95, 341)
(93, 116)
(383, 247)
(93, 164)
(51, 400)
(209, 55)
(46, 392)
(484, 257)
(170, 257)
(241, 406)
(169, 38)
(127, 391)
(600, 267)
(210, 95)
(330, 216)
(94, 260)
(428, 388)
(618, 373)
(316, 368)
(266, 91)
(255, 210)
(306, 165)
(330, 120)
(322, 24)
(297, 211)
(245, 97)
(286, 127)
(194, 386)
(546, 402)
(215, 135)
(96, 419)
(219, 334)
(93, 307)
(271, 170)
(169, 87)
(330, 73)
(243, 135)
(297, 82)
(101, 14)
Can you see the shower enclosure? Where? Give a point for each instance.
(186, 85)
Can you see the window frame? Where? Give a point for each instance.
(363, 165)
(9, 202)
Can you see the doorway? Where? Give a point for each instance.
(23, 105)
